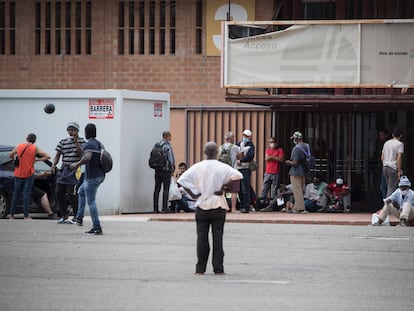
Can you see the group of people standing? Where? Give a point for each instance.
(73, 187)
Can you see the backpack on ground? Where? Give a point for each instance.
(105, 158)
(156, 160)
(225, 155)
(309, 162)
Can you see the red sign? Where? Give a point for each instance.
(158, 110)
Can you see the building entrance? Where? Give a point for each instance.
(346, 144)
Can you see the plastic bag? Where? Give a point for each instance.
(174, 192)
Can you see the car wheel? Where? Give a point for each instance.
(4, 205)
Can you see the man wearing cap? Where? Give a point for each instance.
(336, 191)
(246, 156)
(400, 204)
(70, 148)
(297, 172)
(391, 158)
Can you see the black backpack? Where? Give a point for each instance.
(105, 158)
(156, 160)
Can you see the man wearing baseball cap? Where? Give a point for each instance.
(297, 171)
(245, 157)
(400, 204)
(70, 148)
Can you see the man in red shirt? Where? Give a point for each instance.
(273, 157)
(337, 192)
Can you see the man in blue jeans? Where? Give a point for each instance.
(94, 176)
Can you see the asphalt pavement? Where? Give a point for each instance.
(146, 262)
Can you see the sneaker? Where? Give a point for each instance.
(376, 224)
(76, 221)
(95, 231)
(63, 221)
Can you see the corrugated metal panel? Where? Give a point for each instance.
(211, 125)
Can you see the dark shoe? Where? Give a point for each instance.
(295, 211)
(266, 209)
(244, 210)
(76, 221)
(53, 217)
(95, 231)
(403, 223)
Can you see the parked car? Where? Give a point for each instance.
(45, 180)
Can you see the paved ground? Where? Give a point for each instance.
(148, 265)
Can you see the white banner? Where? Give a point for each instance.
(323, 55)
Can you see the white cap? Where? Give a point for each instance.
(404, 181)
(247, 133)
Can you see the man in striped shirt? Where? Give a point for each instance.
(70, 149)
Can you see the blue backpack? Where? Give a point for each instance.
(309, 161)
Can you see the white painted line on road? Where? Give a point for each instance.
(255, 282)
(129, 218)
(387, 238)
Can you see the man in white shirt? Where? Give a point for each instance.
(391, 158)
(206, 182)
(314, 193)
(400, 204)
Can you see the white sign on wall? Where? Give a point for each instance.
(349, 54)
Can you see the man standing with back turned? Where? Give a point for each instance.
(163, 176)
(206, 181)
(392, 159)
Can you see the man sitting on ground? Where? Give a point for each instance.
(400, 204)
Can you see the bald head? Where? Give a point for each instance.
(210, 150)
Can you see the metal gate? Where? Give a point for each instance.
(342, 142)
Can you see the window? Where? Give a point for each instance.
(172, 27)
(199, 26)
(146, 27)
(319, 9)
(7, 27)
(59, 31)
(152, 27)
(162, 28)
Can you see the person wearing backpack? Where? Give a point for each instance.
(163, 174)
(94, 177)
(229, 153)
(297, 171)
